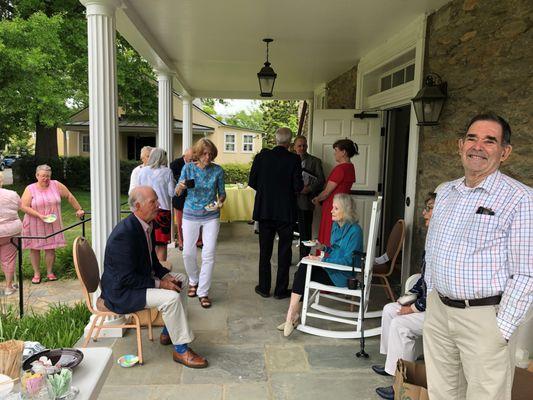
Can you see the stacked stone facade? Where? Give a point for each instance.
(483, 49)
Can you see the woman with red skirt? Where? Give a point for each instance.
(340, 180)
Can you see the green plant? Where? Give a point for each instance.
(24, 169)
(236, 173)
(60, 326)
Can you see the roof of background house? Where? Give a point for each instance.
(124, 123)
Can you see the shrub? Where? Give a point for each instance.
(24, 169)
(74, 172)
(236, 173)
(60, 326)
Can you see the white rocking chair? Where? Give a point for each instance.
(313, 295)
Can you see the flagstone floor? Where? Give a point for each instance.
(248, 357)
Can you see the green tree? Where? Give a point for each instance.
(43, 71)
(247, 119)
(277, 114)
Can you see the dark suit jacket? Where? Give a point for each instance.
(127, 268)
(176, 166)
(276, 175)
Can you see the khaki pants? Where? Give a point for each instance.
(465, 353)
(173, 307)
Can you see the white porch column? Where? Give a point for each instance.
(165, 138)
(187, 123)
(103, 122)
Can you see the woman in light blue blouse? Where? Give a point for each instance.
(204, 182)
(346, 237)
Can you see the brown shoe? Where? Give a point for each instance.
(190, 359)
(164, 339)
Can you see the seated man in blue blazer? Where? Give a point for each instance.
(134, 279)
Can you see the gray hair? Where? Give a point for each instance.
(283, 136)
(347, 204)
(158, 158)
(43, 167)
(146, 149)
(137, 195)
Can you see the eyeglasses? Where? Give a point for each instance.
(428, 207)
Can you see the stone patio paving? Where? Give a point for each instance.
(248, 357)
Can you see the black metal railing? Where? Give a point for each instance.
(17, 242)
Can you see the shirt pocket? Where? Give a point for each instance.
(483, 230)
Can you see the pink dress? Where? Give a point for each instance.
(45, 202)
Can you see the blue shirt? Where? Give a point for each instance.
(344, 241)
(208, 182)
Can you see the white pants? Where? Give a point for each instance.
(191, 230)
(173, 308)
(465, 353)
(398, 335)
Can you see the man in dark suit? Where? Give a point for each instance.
(134, 279)
(276, 175)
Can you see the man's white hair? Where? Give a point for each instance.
(283, 136)
(138, 196)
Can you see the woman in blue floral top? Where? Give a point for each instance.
(205, 196)
(346, 237)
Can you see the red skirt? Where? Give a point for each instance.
(162, 223)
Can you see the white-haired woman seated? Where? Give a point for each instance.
(159, 177)
(346, 237)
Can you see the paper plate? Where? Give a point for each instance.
(6, 385)
(309, 243)
(50, 218)
(212, 206)
(68, 358)
(128, 360)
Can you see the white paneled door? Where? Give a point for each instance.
(332, 125)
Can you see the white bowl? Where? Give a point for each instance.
(6, 385)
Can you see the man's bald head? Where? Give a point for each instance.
(188, 155)
(143, 203)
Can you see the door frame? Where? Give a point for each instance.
(410, 42)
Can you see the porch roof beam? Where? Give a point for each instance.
(131, 26)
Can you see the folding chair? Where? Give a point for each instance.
(89, 276)
(313, 293)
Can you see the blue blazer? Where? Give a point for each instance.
(127, 268)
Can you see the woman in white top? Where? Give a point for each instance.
(134, 179)
(159, 177)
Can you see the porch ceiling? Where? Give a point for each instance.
(215, 47)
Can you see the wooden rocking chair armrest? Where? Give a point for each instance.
(324, 264)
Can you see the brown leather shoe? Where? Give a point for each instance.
(190, 359)
(164, 339)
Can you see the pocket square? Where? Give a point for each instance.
(484, 211)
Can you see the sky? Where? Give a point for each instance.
(234, 106)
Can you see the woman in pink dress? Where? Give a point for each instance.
(340, 180)
(10, 225)
(39, 201)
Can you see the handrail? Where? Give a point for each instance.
(17, 242)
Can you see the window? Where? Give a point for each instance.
(247, 143)
(229, 142)
(397, 77)
(85, 145)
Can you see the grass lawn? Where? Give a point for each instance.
(63, 267)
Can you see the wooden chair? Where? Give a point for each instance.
(394, 247)
(314, 292)
(89, 276)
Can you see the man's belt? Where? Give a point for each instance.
(487, 301)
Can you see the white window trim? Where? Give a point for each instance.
(234, 142)
(83, 136)
(243, 142)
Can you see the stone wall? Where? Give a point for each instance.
(341, 90)
(484, 50)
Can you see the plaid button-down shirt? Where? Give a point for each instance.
(470, 255)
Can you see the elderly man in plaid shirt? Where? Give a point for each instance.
(479, 270)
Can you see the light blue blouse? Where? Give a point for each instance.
(344, 241)
(208, 183)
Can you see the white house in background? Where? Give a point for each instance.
(234, 144)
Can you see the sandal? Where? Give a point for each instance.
(51, 277)
(36, 279)
(205, 302)
(192, 290)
